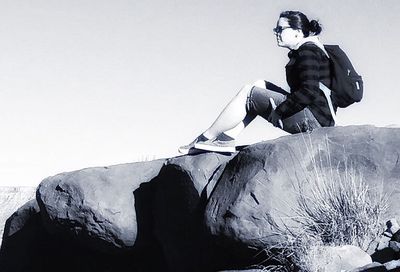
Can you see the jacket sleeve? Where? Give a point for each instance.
(307, 67)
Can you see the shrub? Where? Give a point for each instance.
(334, 207)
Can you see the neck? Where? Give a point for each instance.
(314, 39)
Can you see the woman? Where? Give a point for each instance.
(303, 109)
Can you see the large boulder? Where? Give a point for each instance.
(181, 192)
(21, 231)
(153, 210)
(11, 198)
(97, 206)
(258, 190)
(20, 218)
(203, 212)
(27, 246)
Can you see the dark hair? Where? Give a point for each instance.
(297, 20)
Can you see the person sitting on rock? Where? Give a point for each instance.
(303, 109)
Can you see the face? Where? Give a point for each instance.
(285, 35)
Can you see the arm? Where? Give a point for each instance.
(271, 86)
(307, 67)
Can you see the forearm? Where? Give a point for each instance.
(295, 102)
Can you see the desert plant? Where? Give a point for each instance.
(338, 209)
(335, 207)
(341, 209)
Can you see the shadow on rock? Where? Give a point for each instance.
(27, 246)
(181, 192)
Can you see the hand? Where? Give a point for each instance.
(275, 119)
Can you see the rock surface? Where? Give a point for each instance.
(12, 198)
(20, 218)
(96, 205)
(258, 187)
(373, 267)
(343, 258)
(181, 192)
(28, 247)
(204, 212)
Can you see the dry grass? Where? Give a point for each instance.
(335, 207)
(11, 198)
(340, 209)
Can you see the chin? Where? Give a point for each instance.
(280, 44)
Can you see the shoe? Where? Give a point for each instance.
(190, 149)
(217, 145)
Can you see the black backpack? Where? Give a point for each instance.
(347, 84)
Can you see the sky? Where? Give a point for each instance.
(87, 83)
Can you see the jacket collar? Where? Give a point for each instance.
(313, 39)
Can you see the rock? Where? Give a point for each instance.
(395, 246)
(27, 246)
(373, 267)
(392, 265)
(373, 245)
(153, 206)
(348, 257)
(383, 242)
(205, 212)
(20, 218)
(181, 192)
(258, 189)
(334, 259)
(244, 270)
(385, 255)
(392, 225)
(396, 236)
(386, 251)
(11, 198)
(15, 253)
(96, 206)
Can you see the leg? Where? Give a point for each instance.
(300, 122)
(234, 118)
(262, 102)
(230, 119)
(234, 132)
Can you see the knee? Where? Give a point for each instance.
(245, 90)
(260, 84)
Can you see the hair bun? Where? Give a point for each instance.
(315, 27)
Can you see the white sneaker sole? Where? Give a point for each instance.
(184, 151)
(190, 151)
(215, 148)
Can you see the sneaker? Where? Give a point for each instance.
(190, 149)
(217, 145)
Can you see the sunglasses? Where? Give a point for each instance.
(279, 29)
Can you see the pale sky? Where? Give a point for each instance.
(93, 82)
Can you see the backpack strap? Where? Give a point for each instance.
(320, 46)
(324, 50)
(327, 93)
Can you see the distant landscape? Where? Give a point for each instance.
(11, 198)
